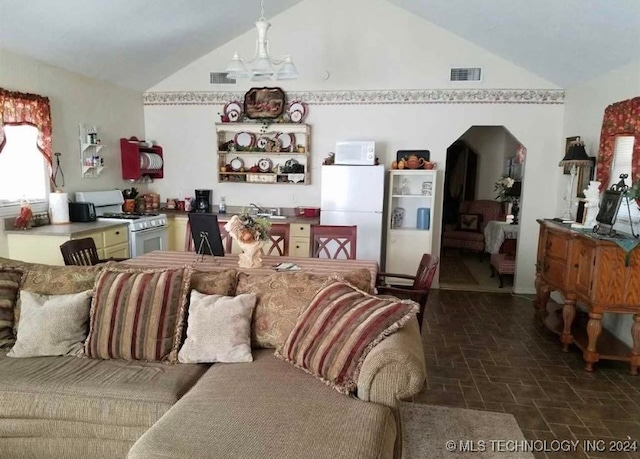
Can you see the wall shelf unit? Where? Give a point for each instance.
(243, 156)
(91, 162)
(140, 160)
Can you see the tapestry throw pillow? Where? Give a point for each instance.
(138, 314)
(333, 336)
(215, 282)
(218, 329)
(282, 297)
(470, 222)
(52, 324)
(10, 278)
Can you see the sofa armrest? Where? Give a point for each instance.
(395, 368)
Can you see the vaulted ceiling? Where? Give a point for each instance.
(137, 43)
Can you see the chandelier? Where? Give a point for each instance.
(262, 65)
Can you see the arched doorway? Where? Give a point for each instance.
(478, 249)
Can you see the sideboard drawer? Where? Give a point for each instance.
(557, 246)
(300, 230)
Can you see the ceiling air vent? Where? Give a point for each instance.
(466, 74)
(220, 78)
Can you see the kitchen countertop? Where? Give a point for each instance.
(225, 217)
(66, 229)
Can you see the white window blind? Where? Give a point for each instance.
(23, 171)
(622, 155)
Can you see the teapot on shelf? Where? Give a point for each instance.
(414, 162)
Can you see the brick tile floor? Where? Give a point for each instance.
(484, 351)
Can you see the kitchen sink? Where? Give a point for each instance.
(269, 216)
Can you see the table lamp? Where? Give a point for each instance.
(575, 157)
(514, 192)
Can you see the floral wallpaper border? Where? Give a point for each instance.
(368, 97)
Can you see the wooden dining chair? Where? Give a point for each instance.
(279, 240)
(418, 291)
(333, 241)
(82, 252)
(227, 241)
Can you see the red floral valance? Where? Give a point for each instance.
(621, 118)
(17, 108)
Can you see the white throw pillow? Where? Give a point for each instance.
(218, 329)
(52, 324)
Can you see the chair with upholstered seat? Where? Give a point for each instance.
(473, 238)
(419, 290)
(279, 240)
(334, 241)
(82, 252)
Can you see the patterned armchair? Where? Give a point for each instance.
(470, 239)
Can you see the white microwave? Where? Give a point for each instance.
(357, 152)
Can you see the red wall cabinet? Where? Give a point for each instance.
(140, 160)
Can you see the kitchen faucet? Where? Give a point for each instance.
(260, 210)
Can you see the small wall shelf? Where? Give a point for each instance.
(92, 163)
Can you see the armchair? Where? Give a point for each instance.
(468, 239)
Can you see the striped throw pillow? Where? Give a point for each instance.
(10, 278)
(336, 332)
(138, 314)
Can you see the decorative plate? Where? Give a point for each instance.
(236, 164)
(233, 115)
(262, 142)
(233, 105)
(287, 141)
(297, 106)
(265, 165)
(296, 116)
(245, 139)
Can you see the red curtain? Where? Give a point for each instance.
(621, 118)
(17, 108)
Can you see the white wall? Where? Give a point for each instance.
(75, 99)
(489, 143)
(585, 105)
(372, 45)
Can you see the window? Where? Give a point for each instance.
(622, 155)
(23, 170)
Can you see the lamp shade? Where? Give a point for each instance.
(576, 155)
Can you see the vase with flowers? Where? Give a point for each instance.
(251, 234)
(503, 186)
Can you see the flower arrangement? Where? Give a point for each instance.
(634, 191)
(502, 187)
(253, 229)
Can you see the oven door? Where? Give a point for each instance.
(148, 240)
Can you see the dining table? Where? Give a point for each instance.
(321, 266)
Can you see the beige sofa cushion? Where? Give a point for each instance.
(218, 329)
(52, 324)
(281, 298)
(215, 282)
(292, 415)
(114, 399)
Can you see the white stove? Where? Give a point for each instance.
(147, 231)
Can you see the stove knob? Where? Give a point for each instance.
(143, 225)
(153, 223)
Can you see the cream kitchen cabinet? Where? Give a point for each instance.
(411, 204)
(299, 240)
(177, 232)
(42, 244)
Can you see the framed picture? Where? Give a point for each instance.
(264, 103)
(567, 169)
(585, 175)
(609, 207)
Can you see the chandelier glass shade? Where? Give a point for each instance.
(262, 66)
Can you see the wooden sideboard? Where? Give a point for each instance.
(596, 273)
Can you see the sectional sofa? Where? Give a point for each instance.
(90, 405)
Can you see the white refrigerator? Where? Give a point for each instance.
(354, 195)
